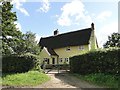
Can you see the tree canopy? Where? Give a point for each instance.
(113, 41)
(13, 40)
(28, 44)
(10, 33)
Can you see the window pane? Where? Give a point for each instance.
(48, 61)
(67, 48)
(81, 47)
(60, 59)
(66, 59)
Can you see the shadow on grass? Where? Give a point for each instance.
(5, 74)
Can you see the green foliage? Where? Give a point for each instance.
(22, 63)
(102, 61)
(10, 34)
(0, 80)
(31, 78)
(113, 41)
(100, 79)
(27, 44)
(30, 44)
(13, 40)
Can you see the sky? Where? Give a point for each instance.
(44, 16)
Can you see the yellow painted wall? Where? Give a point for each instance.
(74, 50)
(45, 54)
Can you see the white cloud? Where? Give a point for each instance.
(18, 26)
(18, 5)
(102, 16)
(105, 31)
(72, 13)
(45, 6)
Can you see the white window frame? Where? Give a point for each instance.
(81, 47)
(46, 60)
(66, 59)
(60, 60)
(68, 48)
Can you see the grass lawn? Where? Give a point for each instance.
(100, 79)
(31, 78)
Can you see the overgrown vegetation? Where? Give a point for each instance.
(99, 67)
(20, 63)
(103, 80)
(31, 78)
(101, 61)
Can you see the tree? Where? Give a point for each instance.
(13, 40)
(28, 44)
(10, 34)
(113, 41)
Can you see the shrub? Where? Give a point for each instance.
(101, 61)
(16, 63)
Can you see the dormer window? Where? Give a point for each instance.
(67, 48)
(81, 48)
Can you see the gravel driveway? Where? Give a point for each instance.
(65, 80)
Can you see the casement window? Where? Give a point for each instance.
(47, 60)
(66, 59)
(67, 48)
(81, 47)
(60, 59)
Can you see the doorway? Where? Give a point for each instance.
(53, 60)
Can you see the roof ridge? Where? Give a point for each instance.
(67, 33)
(74, 38)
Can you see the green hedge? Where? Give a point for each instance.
(102, 61)
(15, 63)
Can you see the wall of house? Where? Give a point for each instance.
(45, 55)
(64, 54)
(74, 50)
(93, 43)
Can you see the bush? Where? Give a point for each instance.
(101, 61)
(22, 63)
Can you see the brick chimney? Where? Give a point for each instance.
(92, 26)
(56, 32)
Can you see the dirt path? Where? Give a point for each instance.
(65, 81)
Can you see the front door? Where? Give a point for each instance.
(53, 60)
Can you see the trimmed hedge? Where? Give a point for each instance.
(22, 63)
(102, 61)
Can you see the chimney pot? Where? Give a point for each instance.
(56, 32)
(92, 26)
